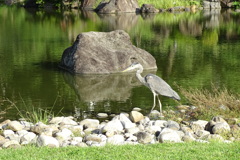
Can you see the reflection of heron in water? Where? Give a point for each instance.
(156, 84)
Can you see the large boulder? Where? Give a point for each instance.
(116, 6)
(104, 52)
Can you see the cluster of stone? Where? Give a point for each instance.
(133, 128)
(212, 4)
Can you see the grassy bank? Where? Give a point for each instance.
(164, 151)
(169, 3)
(212, 102)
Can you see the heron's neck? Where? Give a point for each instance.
(139, 76)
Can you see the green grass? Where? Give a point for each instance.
(164, 151)
(31, 113)
(162, 3)
(169, 3)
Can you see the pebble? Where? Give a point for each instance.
(90, 123)
(11, 144)
(49, 141)
(15, 126)
(169, 135)
(102, 115)
(137, 109)
(136, 116)
(114, 125)
(116, 140)
(144, 137)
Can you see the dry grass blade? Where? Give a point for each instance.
(212, 102)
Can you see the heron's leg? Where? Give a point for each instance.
(160, 104)
(154, 101)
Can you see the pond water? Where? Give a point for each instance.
(193, 50)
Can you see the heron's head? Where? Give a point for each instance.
(132, 67)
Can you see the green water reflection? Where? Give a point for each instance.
(192, 50)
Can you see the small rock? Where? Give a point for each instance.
(126, 122)
(64, 134)
(132, 138)
(102, 115)
(160, 123)
(172, 125)
(2, 138)
(153, 129)
(221, 128)
(44, 140)
(96, 138)
(144, 137)
(218, 119)
(15, 126)
(186, 129)
(198, 125)
(180, 133)
(188, 137)
(26, 125)
(76, 129)
(136, 116)
(88, 131)
(137, 109)
(202, 133)
(21, 133)
(116, 140)
(145, 122)
(28, 138)
(155, 114)
(11, 144)
(110, 133)
(3, 141)
(3, 125)
(169, 135)
(113, 125)
(90, 123)
(76, 140)
(14, 137)
(41, 128)
(7, 133)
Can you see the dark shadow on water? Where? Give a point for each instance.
(48, 65)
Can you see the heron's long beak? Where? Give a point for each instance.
(128, 69)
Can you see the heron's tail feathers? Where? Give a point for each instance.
(176, 96)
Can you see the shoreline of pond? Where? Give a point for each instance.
(133, 128)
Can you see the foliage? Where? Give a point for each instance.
(169, 3)
(3, 109)
(236, 4)
(156, 3)
(209, 103)
(34, 114)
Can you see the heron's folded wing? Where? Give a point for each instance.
(161, 87)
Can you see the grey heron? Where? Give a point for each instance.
(156, 84)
